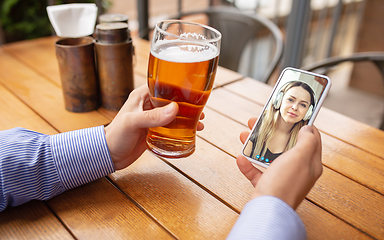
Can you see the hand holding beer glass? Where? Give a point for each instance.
(182, 68)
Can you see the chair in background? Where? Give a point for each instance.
(239, 28)
(375, 57)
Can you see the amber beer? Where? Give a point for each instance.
(184, 73)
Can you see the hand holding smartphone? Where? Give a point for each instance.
(294, 102)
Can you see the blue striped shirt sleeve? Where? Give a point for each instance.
(38, 166)
(268, 217)
(81, 156)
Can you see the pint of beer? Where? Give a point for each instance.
(182, 68)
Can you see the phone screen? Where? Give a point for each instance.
(294, 102)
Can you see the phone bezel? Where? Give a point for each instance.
(312, 118)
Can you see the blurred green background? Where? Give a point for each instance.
(28, 19)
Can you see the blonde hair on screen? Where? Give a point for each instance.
(268, 123)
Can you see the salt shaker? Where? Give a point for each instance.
(114, 57)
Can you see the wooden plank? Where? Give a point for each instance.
(218, 172)
(39, 54)
(98, 210)
(251, 93)
(15, 113)
(354, 163)
(233, 106)
(43, 96)
(346, 159)
(349, 130)
(140, 65)
(140, 80)
(334, 124)
(251, 89)
(225, 76)
(211, 167)
(32, 220)
(166, 183)
(142, 47)
(220, 132)
(323, 225)
(350, 201)
(184, 208)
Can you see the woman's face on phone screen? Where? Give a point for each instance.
(295, 104)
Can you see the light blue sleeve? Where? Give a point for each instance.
(268, 217)
(38, 166)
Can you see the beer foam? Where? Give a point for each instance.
(183, 51)
(192, 35)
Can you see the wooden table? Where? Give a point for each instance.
(199, 197)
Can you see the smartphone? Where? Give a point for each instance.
(294, 102)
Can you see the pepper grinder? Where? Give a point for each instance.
(114, 57)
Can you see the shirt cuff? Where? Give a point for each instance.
(81, 156)
(268, 217)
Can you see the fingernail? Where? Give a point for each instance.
(169, 109)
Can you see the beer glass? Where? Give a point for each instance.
(182, 68)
